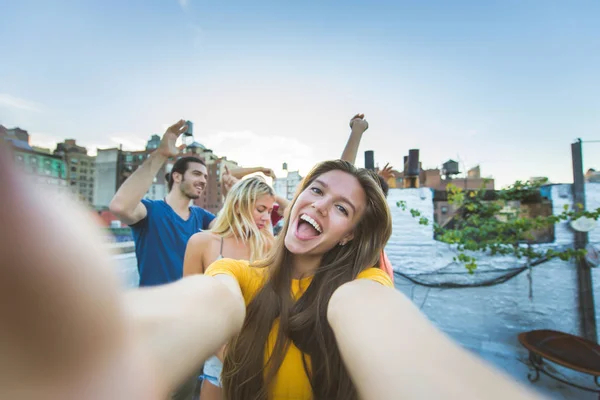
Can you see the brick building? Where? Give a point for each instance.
(42, 168)
(114, 166)
(286, 187)
(80, 169)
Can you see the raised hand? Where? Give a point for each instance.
(228, 180)
(167, 146)
(386, 173)
(358, 123)
(268, 172)
(68, 337)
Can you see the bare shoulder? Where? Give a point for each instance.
(203, 239)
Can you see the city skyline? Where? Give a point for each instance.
(504, 85)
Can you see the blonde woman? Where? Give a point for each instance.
(241, 231)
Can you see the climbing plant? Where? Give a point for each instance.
(483, 226)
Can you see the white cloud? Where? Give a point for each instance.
(250, 149)
(43, 140)
(183, 3)
(130, 142)
(8, 101)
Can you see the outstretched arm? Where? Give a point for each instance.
(392, 351)
(176, 332)
(239, 173)
(126, 204)
(75, 334)
(358, 125)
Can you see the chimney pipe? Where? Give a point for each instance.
(412, 169)
(370, 160)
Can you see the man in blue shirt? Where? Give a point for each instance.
(162, 228)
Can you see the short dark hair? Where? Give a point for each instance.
(180, 166)
(384, 185)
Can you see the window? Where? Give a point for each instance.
(74, 161)
(444, 210)
(73, 169)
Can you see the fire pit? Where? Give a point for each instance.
(566, 350)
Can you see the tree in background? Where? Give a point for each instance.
(500, 226)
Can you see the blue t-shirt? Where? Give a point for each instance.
(161, 238)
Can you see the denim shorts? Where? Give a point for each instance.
(212, 371)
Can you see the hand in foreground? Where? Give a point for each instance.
(63, 330)
(68, 330)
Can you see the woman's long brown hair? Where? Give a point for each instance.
(246, 373)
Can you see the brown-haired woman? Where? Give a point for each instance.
(286, 349)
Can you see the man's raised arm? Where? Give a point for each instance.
(126, 204)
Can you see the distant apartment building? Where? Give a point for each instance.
(80, 169)
(286, 187)
(41, 150)
(114, 166)
(44, 170)
(106, 180)
(438, 180)
(14, 134)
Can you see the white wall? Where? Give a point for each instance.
(488, 319)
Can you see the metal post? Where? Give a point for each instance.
(587, 312)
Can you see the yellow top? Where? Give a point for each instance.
(291, 381)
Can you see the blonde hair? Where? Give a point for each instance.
(235, 219)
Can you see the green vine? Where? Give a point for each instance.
(488, 227)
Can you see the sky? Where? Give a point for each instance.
(507, 85)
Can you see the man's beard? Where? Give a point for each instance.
(190, 192)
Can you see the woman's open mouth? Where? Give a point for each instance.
(307, 228)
